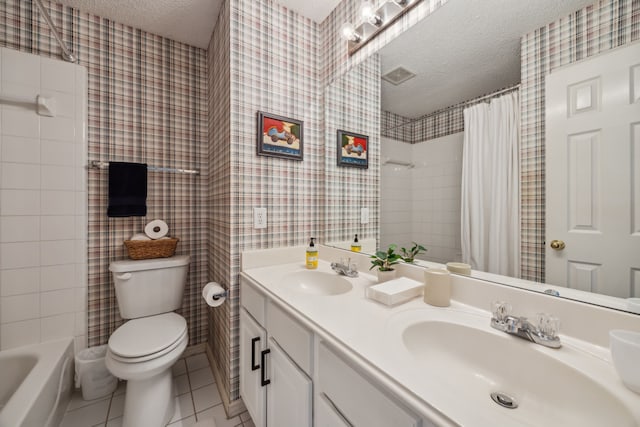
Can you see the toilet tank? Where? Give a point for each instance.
(151, 286)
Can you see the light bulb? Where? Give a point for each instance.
(368, 13)
(348, 32)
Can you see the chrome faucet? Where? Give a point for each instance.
(545, 333)
(345, 269)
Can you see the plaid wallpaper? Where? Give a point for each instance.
(597, 28)
(219, 223)
(352, 103)
(147, 103)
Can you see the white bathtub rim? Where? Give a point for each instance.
(49, 354)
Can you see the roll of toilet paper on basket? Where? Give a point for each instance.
(156, 229)
(214, 294)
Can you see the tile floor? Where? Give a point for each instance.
(197, 398)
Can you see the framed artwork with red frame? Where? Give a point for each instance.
(353, 149)
(279, 137)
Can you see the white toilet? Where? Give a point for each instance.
(143, 350)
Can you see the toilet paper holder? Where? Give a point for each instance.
(223, 294)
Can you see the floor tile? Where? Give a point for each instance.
(206, 397)
(180, 385)
(200, 377)
(185, 422)
(205, 415)
(179, 368)
(89, 415)
(116, 422)
(248, 423)
(78, 402)
(184, 407)
(197, 361)
(245, 416)
(117, 407)
(220, 417)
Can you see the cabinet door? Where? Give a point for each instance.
(290, 391)
(252, 343)
(327, 415)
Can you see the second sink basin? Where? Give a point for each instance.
(317, 283)
(476, 362)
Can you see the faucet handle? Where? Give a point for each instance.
(548, 325)
(500, 310)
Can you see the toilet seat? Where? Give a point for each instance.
(147, 338)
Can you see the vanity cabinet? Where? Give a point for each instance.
(273, 386)
(290, 376)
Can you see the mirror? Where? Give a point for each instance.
(421, 158)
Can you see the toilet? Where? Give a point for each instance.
(143, 350)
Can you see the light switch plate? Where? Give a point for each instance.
(364, 216)
(259, 218)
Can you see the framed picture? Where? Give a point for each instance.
(353, 149)
(279, 136)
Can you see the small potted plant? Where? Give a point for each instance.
(385, 261)
(409, 255)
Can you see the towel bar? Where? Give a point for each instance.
(97, 164)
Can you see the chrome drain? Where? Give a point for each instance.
(504, 400)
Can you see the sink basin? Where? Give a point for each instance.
(474, 361)
(317, 283)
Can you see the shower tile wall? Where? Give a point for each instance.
(146, 103)
(43, 193)
(592, 30)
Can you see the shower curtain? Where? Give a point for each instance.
(490, 202)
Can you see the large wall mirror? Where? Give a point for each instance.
(438, 68)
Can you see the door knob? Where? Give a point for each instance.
(558, 245)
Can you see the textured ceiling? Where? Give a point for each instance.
(467, 48)
(187, 21)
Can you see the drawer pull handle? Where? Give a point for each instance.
(263, 362)
(253, 353)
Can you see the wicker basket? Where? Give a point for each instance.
(148, 249)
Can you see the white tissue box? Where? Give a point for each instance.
(395, 291)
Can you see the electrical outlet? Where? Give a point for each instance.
(364, 216)
(259, 218)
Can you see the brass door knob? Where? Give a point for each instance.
(558, 245)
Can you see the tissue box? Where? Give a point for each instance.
(395, 291)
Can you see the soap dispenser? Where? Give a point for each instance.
(355, 245)
(312, 255)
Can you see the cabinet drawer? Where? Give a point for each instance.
(294, 339)
(252, 300)
(355, 397)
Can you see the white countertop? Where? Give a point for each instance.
(372, 331)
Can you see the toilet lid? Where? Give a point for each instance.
(147, 335)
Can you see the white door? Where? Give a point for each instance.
(593, 174)
(289, 397)
(252, 343)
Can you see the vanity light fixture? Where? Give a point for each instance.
(373, 21)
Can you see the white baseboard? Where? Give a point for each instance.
(234, 408)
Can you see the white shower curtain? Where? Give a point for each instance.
(491, 186)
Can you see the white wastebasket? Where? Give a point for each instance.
(92, 374)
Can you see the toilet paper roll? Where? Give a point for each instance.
(214, 294)
(156, 229)
(139, 236)
(437, 287)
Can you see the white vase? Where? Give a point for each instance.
(384, 276)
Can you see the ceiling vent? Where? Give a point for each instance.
(398, 75)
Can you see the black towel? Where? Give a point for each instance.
(127, 189)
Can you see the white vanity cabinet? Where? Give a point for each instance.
(274, 387)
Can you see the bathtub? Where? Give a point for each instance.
(36, 384)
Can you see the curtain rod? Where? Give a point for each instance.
(459, 105)
(97, 164)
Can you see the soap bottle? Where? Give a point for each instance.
(312, 255)
(355, 245)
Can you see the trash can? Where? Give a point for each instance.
(92, 375)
